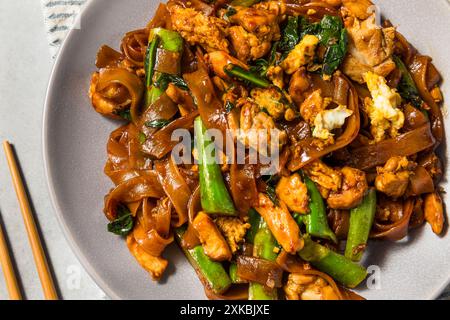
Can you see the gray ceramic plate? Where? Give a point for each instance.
(74, 149)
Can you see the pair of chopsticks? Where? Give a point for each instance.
(40, 260)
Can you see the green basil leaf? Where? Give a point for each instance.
(164, 79)
(229, 106)
(123, 225)
(290, 35)
(157, 124)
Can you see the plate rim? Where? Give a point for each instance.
(48, 172)
(49, 177)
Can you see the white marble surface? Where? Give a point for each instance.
(25, 65)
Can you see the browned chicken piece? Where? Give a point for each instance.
(196, 28)
(351, 194)
(308, 287)
(254, 30)
(257, 128)
(434, 212)
(218, 60)
(370, 48)
(213, 242)
(234, 230)
(313, 105)
(393, 178)
(299, 85)
(281, 224)
(293, 192)
(323, 175)
(361, 9)
(154, 265)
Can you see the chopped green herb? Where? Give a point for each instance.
(164, 79)
(124, 114)
(247, 76)
(157, 124)
(407, 87)
(229, 106)
(290, 35)
(230, 12)
(124, 222)
(332, 35)
(271, 183)
(142, 138)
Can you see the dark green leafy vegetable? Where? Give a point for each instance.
(248, 77)
(142, 138)
(124, 114)
(271, 184)
(407, 87)
(230, 12)
(157, 124)
(261, 66)
(290, 34)
(332, 34)
(124, 222)
(229, 106)
(164, 79)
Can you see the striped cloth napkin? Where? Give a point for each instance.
(60, 17)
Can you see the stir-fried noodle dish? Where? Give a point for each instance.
(273, 141)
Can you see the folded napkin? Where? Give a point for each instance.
(60, 17)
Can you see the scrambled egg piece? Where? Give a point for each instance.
(293, 192)
(393, 178)
(308, 287)
(383, 108)
(328, 120)
(269, 99)
(196, 28)
(301, 55)
(233, 229)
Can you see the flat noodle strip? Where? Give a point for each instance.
(418, 68)
(175, 188)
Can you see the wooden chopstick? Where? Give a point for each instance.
(33, 235)
(8, 269)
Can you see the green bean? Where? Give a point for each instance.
(263, 247)
(316, 221)
(215, 198)
(361, 221)
(337, 266)
(213, 273)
